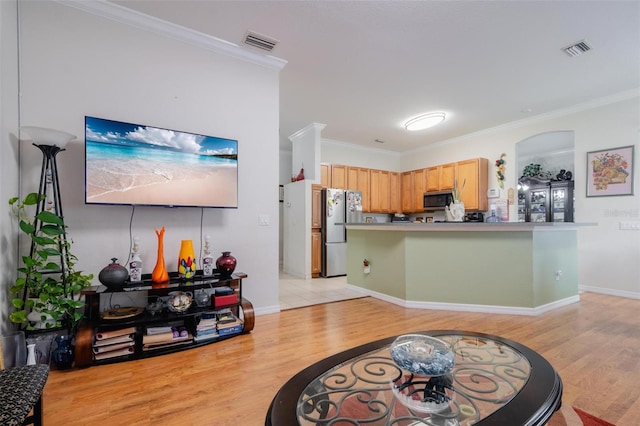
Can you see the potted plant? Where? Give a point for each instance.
(47, 275)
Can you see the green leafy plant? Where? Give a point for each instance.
(47, 278)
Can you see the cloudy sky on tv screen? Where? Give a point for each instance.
(143, 165)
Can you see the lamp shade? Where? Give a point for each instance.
(44, 136)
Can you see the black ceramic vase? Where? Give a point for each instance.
(226, 264)
(113, 276)
(63, 354)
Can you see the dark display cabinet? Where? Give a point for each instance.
(546, 202)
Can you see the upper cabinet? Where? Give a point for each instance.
(406, 183)
(391, 192)
(447, 176)
(440, 178)
(325, 175)
(473, 174)
(433, 178)
(380, 191)
(395, 193)
(358, 180)
(338, 176)
(419, 188)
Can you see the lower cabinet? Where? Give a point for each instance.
(178, 315)
(316, 253)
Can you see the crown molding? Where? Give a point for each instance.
(137, 19)
(361, 147)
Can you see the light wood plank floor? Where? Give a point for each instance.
(594, 345)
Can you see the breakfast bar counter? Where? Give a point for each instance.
(510, 267)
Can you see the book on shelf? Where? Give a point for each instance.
(208, 315)
(204, 338)
(114, 340)
(163, 327)
(113, 354)
(158, 330)
(162, 345)
(109, 334)
(226, 317)
(213, 330)
(114, 347)
(230, 325)
(220, 291)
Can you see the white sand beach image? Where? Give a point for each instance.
(129, 164)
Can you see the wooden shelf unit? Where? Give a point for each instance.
(93, 323)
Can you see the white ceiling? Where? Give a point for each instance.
(364, 67)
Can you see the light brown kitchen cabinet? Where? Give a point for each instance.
(433, 179)
(338, 176)
(419, 186)
(395, 193)
(407, 192)
(358, 180)
(447, 176)
(316, 236)
(474, 175)
(316, 253)
(364, 187)
(440, 178)
(325, 175)
(380, 186)
(316, 206)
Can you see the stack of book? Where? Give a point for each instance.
(224, 296)
(165, 336)
(207, 327)
(228, 324)
(114, 343)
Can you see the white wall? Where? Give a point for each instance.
(8, 153)
(335, 152)
(76, 64)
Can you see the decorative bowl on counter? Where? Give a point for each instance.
(424, 355)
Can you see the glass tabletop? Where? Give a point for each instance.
(372, 389)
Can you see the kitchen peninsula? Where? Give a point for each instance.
(509, 267)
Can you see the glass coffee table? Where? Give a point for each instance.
(494, 381)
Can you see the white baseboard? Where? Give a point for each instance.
(610, 292)
(492, 309)
(266, 310)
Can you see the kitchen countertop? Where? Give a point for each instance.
(469, 226)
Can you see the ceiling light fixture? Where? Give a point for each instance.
(425, 121)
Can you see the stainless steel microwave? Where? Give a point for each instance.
(437, 200)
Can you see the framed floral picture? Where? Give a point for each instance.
(610, 172)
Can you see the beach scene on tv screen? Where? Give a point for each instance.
(136, 164)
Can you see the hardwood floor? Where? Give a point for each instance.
(594, 345)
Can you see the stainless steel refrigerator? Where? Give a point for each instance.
(339, 207)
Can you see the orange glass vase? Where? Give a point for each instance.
(160, 274)
(186, 260)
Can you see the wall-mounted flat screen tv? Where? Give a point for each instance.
(134, 164)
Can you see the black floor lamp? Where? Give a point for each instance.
(50, 142)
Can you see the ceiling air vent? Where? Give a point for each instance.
(260, 41)
(578, 48)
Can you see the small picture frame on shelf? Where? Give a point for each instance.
(429, 219)
(368, 219)
(610, 172)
